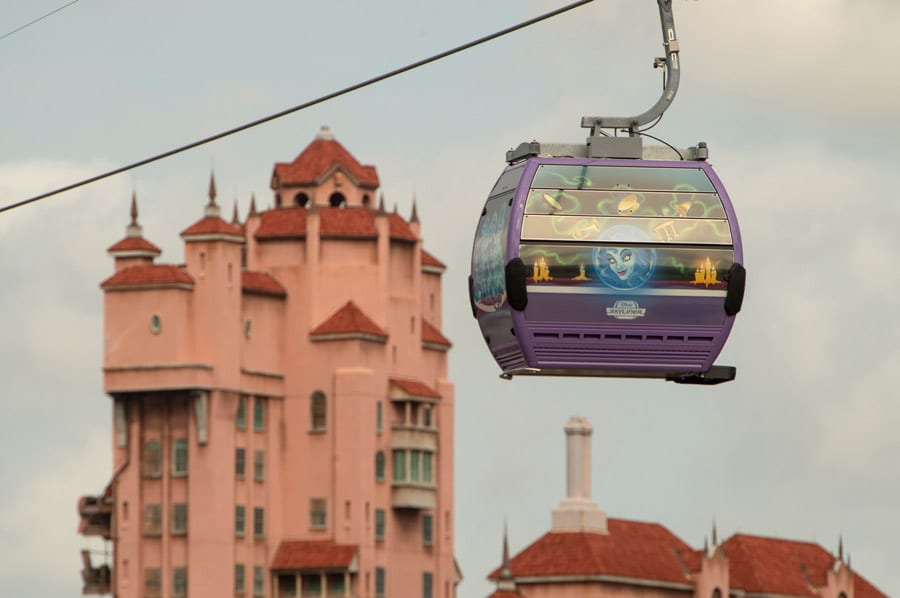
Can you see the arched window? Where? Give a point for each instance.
(301, 199)
(717, 593)
(337, 200)
(318, 412)
(366, 200)
(379, 466)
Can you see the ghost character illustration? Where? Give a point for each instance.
(625, 268)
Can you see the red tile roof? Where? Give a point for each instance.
(430, 260)
(261, 283)
(318, 159)
(148, 275)
(313, 554)
(354, 223)
(211, 225)
(349, 319)
(432, 335)
(776, 566)
(415, 389)
(631, 549)
(135, 244)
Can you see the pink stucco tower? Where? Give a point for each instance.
(283, 422)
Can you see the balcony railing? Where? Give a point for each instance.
(96, 516)
(405, 436)
(411, 495)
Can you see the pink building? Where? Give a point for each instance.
(587, 554)
(283, 422)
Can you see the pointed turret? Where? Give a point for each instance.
(715, 536)
(841, 546)
(235, 219)
(133, 250)
(212, 209)
(253, 211)
(381, 204)
(414, 217)
(506, 581)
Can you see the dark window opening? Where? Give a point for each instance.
(337, 200)
(301, 199)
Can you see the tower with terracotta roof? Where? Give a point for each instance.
(587, 554)
(283, 421)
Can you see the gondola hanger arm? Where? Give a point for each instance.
(673, 76)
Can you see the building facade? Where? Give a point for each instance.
(283, 421)
(589, 555)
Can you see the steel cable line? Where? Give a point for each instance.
(299, 107)
(41, 18)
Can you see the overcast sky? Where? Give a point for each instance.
(797, 101)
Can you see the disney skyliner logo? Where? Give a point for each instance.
(626, 310)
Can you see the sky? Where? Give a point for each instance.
(796, 101)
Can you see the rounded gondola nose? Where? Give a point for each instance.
(607, 268)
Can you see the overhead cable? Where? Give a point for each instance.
(299, 107)
(37, 20)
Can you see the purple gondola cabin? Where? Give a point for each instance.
(601, 267)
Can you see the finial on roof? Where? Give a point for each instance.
(715, 536)
(506, 581)
(212, 209)
(325, 133)
(133, 229)
(381, 204)
(840, 546)
(134, 212)
(252, 205)
(415, 214)
(235, 219)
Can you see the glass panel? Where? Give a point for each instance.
(427, 583)
(287, 586)
(509, 180)
(626, 230)
(427, 529)
(152, 459)
(259, 413)
(674, 204)
(258, 581)
(379, 524)
(259, 465)
(239, 517)
(318, 411)
(259, 527)
(312, 585)
(179, 457)
(414, 465)
(580, 268)
(489, 255)
(378, 417)
(426, 467)
(379, 466)
(380, 582)
(335, 584)
(240, 462)
(637, 178)
(239, 581)
(241, 418)
(399, 466)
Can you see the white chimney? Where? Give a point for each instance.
(578, 512)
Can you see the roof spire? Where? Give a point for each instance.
(235, 219)
(381, 204)
(134, 229)
(715, 536)
(841, 546)
(212, 209)
(506, 581)
(252, 205)
(415, 214)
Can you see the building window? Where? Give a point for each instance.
(179, 457)
(152, 582)
(379, 466)
(380, 582)
(179, 519)
(240, 582)
(427, 417)
(399, 466)
(318, 412)
(152, 520)
(336, 584)
(179, 582)
(427, 585)
(379, 418)
(312, 584)
(301, 199)
(379, 524)
(427, 529)
(240, 462)
(287, 586)
(717, 593)
(259, 415)
(241, 418)
(426, 467)
(152, 459)
(258, 581)
(259, 525)
(414, 465)
(318, 516)
(259, 465)
(337, 200)
(240, 516)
